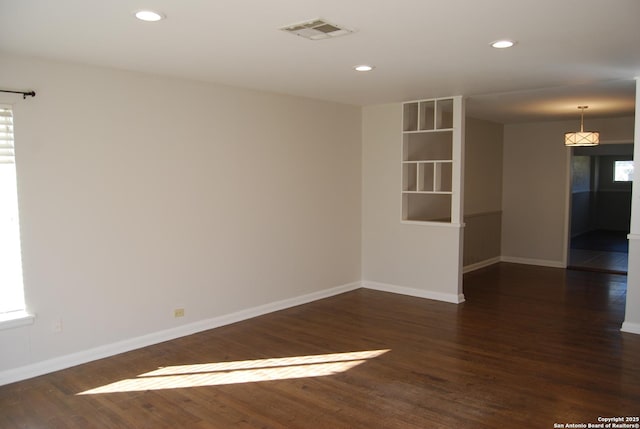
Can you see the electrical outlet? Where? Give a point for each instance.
(178, 312)
(57, 325)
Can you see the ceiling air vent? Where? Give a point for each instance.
(316, 29)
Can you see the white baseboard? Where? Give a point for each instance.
(73, 359)
(419, 293)
(631, 328)
(481, 264)
(529, 261)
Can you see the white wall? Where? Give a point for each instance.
(632, 315)
(140, 194)
(420, 260)
(535, 186)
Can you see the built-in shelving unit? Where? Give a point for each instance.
(432, 141)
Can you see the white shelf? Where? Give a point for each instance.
(431, 146)
(430, 161)
(428, 192)
(440, 130)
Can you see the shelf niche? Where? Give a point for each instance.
(427, 115)
(427, 177)
(431, 160)
(426, 207)
(427, 146)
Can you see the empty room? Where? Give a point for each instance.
(318, 214)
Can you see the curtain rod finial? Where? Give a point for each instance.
(25, 94)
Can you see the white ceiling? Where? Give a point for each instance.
(569, 52)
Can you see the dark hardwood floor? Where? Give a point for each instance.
(600, 250)
(529, 348)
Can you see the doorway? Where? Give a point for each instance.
(600, 207)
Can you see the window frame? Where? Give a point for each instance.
(615, 165)
(20, 316)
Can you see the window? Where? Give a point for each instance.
(623, 171)
(12, 305)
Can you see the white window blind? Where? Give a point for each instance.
(11, 287)
(7, 152)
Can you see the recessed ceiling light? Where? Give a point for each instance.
(149, 15)
(501, 44)
(363, 68)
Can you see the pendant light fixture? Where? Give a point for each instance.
(582, 137)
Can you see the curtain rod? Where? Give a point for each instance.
(25, 94)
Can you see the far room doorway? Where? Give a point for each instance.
(601, 180)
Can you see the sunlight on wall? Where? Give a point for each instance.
(250, 371)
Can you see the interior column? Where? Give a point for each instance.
(632, 315)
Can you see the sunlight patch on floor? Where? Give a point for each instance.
(248, 371)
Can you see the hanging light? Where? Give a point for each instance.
(582, 137)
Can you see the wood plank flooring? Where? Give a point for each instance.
(600, 250)
(598, 260)
(529, 348)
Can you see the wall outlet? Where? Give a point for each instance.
(57, 325)
(178, 312)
